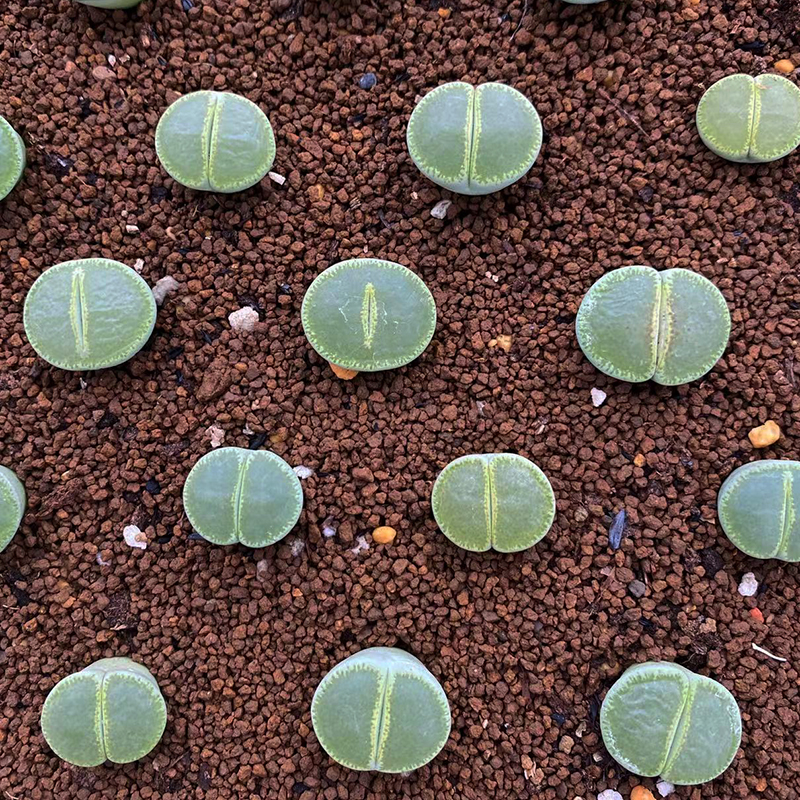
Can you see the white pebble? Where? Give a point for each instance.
(303, 472)
(132, 228)
(297, 547)
(598, 397)
(164, 286)
(665, 788)
(216, 434)
(609, 794)
(244, 319)
(439, 211)
(749, 585)
(329, 527)
(279, 179)
(138, 265)
(134, 537)
(361, 544)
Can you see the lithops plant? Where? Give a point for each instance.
(12, 505)
(249, 496)
(110, 4)
(498, 501)
(750, 119)
(661, 719)
(638, 324)
(759, 509)
(110, 711)
(215, 141)
(12, 157)
(89, 314)
(474, 140)
(381, 709)
(368, 315)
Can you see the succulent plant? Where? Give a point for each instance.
(474, 140)
(498, 501)
(750, 119)
(215, 141)
(89, 314)
(661, 719)
(12, 505)
(110, 711)
(12, 157)
(368, 315)
(248, 496)
(381, 709)
(636, 324)
(759, 509)
(110, 4)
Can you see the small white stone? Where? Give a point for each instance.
(749, 585)
(329, 527)
(138, 265)
(216, 434)
(665, 788)
(297, 547)
(131, 228)
(598, 397)
(247, 430)
(112, 60)
(361, 544)
(609, 794)
(279, 179)
(439, 211)
(303, 472)
(244, 319)
(164, 287)
(134, 537)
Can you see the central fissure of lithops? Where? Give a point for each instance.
(379, 728)
(757, 87)
(101, 722)
(491, 502)
(78, 312)
(677, 734)
(473, 122)
(788, 512)
(369, 315)
(237, 496)
(213, 111)
(661, 326)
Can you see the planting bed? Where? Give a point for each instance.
(525, 645)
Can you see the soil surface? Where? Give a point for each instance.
(524, 645)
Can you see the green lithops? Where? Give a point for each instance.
(750, 119)
(249, 496)
(638, 324)
(110, 711)
(89, 314)
(12, 157)
(499, 501)
(759, 509)
(660, 719)
(215, 141)
(368, 315)
(12, 505)
(474, 140)
(381, 709)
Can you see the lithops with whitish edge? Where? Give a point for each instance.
(474, 140)
(660, 719)
(89, 314)
(110, 711)
(368, 315)
(498, 501)
(215, 141)
(759, 509)
(750, 119)
(110, 4)
(639, 324)
(12, 505)
(12, 157)
(381, 709)
(249, 496)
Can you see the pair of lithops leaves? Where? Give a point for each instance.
(12, 157)
(381, 709)
(12, 505)
(110, 711)
(750, 119)
(637, 324)
(660, 719)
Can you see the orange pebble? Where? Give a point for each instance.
(444, 13)
(756, 614)
(344, 374)
(765, 435)
(640, 793)
(785, 66)
(384, 535)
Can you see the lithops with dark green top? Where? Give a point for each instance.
(381, 709)
(248, 496)
(110, 711)
(638, 324)
(12, 505)
(660, 719)
(759, 509)
(750, 119)
(89, 314)
(368, 315)
(498, 501)
(474, 140)
(12, 157)
(215, 141)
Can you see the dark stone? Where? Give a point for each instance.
(367, 80)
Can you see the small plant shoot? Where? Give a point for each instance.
(89, 314)
(12, 505)
(638, 324)
(215, 142)
(110, 711)
(12, 157)
(660, 719)
(248, 496)
(499, 501)
(759, 509)
(382, 710)
(474, 140)
(368, 315)
(750, 119)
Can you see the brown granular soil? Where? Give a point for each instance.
(525, 645)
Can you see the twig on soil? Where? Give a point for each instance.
(767, 652)
(521, 20)
(606, 96)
